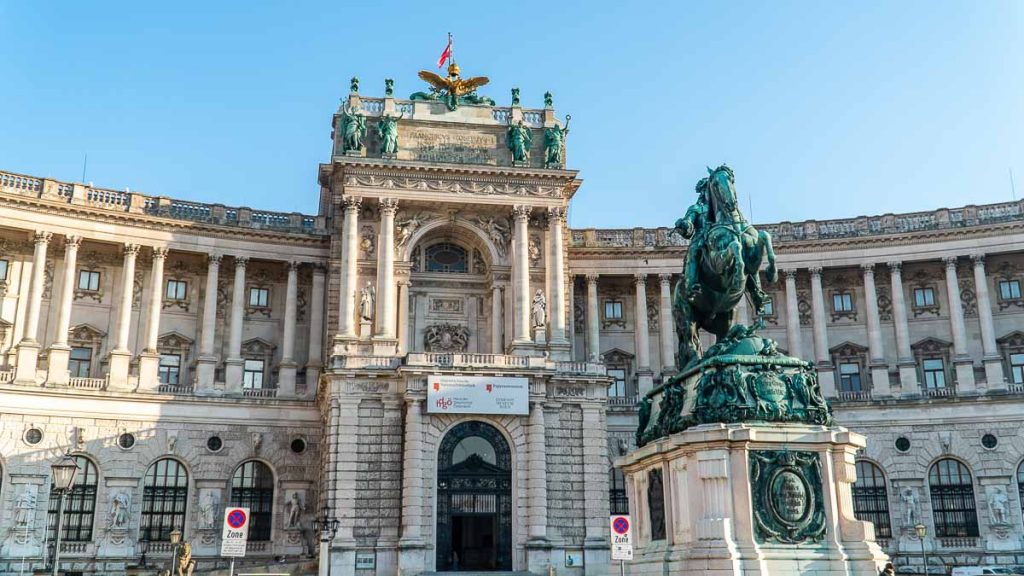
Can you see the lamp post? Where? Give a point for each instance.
(922, 531)
(327, 526)
(175, 540)
(64, 472)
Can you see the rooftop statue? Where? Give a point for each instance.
(554, 144)
(743, 377)
(453, 90)
(518, 139)
(387, 131)
(353, 129)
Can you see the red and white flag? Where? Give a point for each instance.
(447, 54)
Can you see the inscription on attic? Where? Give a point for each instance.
(449, 146)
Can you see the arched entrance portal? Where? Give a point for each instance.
(474, 499)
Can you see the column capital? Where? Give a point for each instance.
(521, 212)
(72, 241)
(639, 278)
(665, 278)
(556, 214)
(868, 268)
(41, 237)
(213, 260)
(351, 203)
(241, 261)
(979, 260)
(815, 271)
(388, 205)
(131, 249)
(160, 252)
(318, 268)
(950, 262)
(895, 267)
(293, 265)
(789, 273)
(592, 278)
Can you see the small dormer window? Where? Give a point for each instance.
(176, 290)
(88, 281)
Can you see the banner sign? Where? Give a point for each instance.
(478, 395)
(236, 532)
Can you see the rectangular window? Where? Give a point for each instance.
(934, 373)
(3, 269)
(849, 377)
(176, 290)
(617, 389)
(769, 306)
(170, 369)
(613, 309)
(842, 302)
(259, 297)
(252, 377)
(80, 363)
(89, 280)
(924, 297)
(1009, 289)
(1017, 368)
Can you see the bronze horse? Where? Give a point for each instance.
(727, 268)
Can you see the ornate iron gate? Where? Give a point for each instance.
(478, 485)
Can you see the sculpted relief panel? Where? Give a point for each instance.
(449, 146)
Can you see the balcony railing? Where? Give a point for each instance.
(257, 546)
(959, 542)
(854, 395)
(944, 392)
(160, 547)
(1014, 387)
(74, 547)
(622, 401)
(259, 392)
(88, 383)
(179, 389)
(6, 376)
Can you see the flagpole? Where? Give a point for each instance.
(451, 49)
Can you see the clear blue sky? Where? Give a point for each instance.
(825, 109)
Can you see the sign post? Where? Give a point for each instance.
(235, 535)
(622, 540)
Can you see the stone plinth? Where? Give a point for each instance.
(749, 499)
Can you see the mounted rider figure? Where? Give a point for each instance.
(693, 226)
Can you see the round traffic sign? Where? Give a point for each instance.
(236, 519)
(620, 525)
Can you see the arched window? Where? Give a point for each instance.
(952, 491)
(164, 497)
(446, 257)
(870, 499)
(252, 487)
(79, 507)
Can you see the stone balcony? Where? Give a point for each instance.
(159, 206)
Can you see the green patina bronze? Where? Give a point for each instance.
(353, 129)
(742, 377)
(389, 87)
(515, 96)
(387, 131)
(789, 507)
(549, 100)
(353, 85)
(554, 144)
(518, 138)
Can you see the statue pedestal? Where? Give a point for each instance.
(739, 471)
(749, 499)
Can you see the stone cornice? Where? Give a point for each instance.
(459, 179)
(150, 222)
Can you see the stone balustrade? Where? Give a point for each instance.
(942, 219)
(161, 206)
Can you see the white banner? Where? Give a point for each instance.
(478, 395)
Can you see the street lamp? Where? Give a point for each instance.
(327, 526)
(922, 531)
(175, 540)
(64, 472)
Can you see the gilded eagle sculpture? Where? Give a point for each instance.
(453, 89)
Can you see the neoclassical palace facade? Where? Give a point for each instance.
(195, 356)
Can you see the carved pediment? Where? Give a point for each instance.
(1014, 339)
(617, 356)
(931, 346)
(848, 349)
(85, 333)
(446, 338)
(174, 340)
(257, 347)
